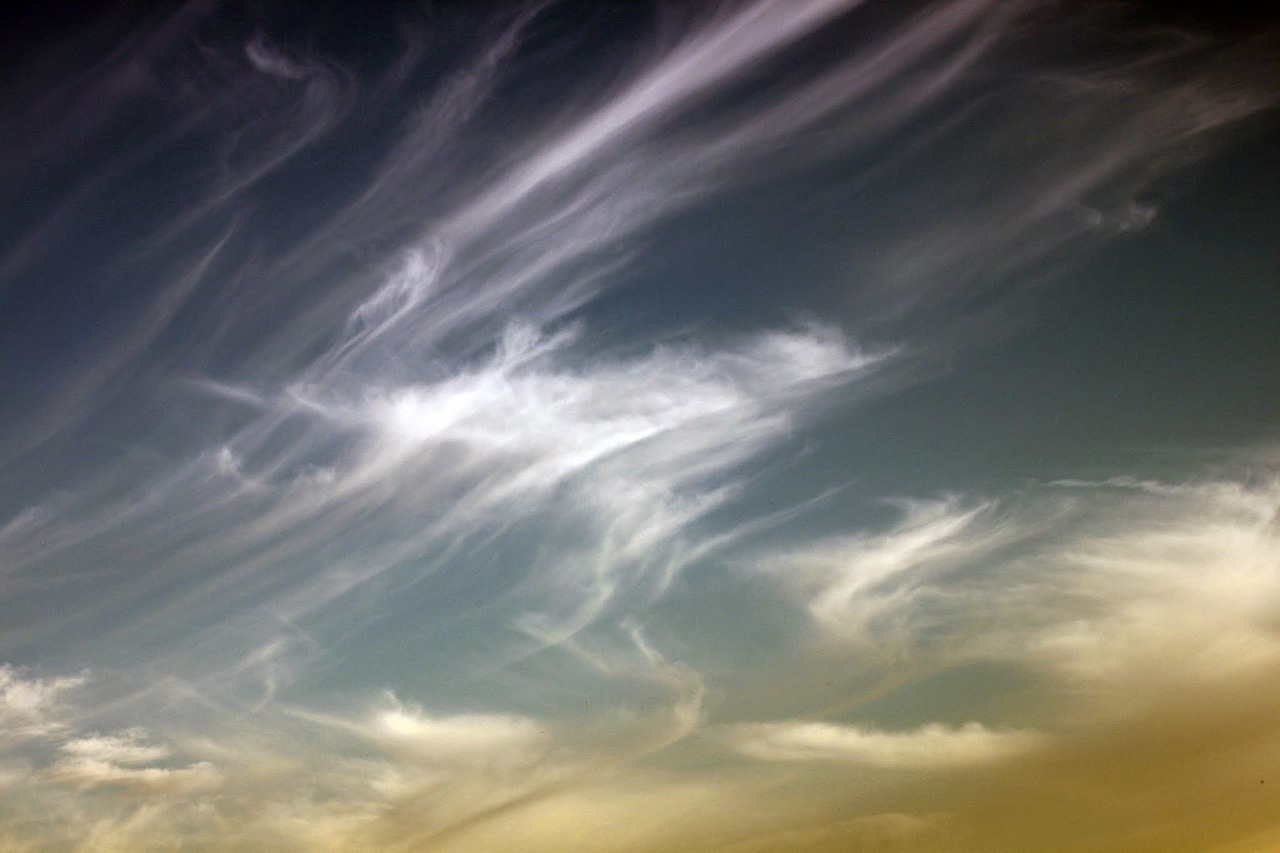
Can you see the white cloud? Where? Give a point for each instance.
(127, 748)
(465, 742)
(423, 445)
(91, 773)
(931, 747)
(128, 760)
(880, 591)
(629, 452)
(1181, 573)
(460, 739)
(32, 707)
(429, 427)
(1128, 590)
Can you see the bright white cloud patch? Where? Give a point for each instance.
(1095, 584)
(629, 452)
(1185, 573)
(127, 748)
(858, 587)
(462, 739)
(931, 747)
(130, 760)
(32, 706)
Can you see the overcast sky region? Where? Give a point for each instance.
(587, 425)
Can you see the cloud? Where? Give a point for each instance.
(433, 433)
(931, 747)
(1141, 618)
(857, 587)
(1188, 577)
(541, 225)
(461, 739)
(1095, 588)
(127, 748)
(1161, 100)
(33, 707)
(398, 389)
(88, 773)
(128, 760)
(615, 460)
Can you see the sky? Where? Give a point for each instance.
(624, 426)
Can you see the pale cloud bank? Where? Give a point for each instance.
(126, 748)
(1103, 600)
(486, 740)
(931, 747)
(85, 773)
(33, 706)
(1097, 584)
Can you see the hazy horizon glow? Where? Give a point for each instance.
(759, 426)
